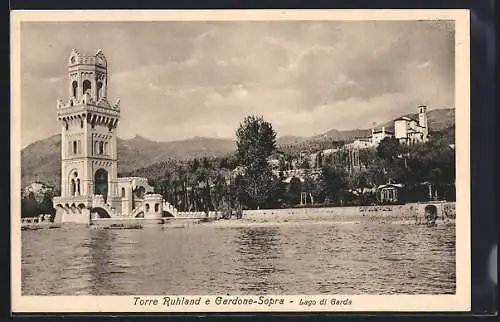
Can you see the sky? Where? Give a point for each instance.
(178, 80)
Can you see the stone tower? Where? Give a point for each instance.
(88, 135)
(422, 120)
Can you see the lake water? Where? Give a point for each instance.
(337, 258)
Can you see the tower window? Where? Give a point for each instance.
(74, 87)
(73, 187)
(74, 147)
(157, 207)
(123, 192)
(147, 207)
(99, 90)
(78, 186)
(86, 86)
(81, 124)
(101, 147)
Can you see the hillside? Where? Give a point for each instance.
(438, 119)
(41, 160)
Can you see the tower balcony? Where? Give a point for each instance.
(87, 101)
(103, 107)
(100, 112)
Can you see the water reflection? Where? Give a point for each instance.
(259, 250)
(101, 254)
(295, 259)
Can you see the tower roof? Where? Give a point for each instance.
(77, 58)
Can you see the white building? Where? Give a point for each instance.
(361, 143)
(379, 135)
(410, 131)
(89, 157)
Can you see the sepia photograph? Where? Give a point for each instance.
(210, 161)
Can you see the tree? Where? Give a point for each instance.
(294, 191)
(46, 206)
(256, 141)
(332, 181)
(388, 149)
(29, 206)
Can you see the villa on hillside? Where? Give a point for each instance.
(406, 131)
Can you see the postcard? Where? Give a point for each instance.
(240, 161)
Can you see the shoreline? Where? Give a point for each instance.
(411, 214)
(233, 223)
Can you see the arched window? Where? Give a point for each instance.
(101, 147)
(74, 86)
(99, 90)
(147, 207)
(106, 148)
(96, 147)
(86, 86)
(78, 186)
(74, 147)
(157, 207)
(123, 192)
(73, 187)
(81, 123)
(66, 125)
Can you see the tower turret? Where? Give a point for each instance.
(87, 74)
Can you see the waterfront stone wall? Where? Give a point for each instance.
(79, 217)
(406, 211)
(128, 221)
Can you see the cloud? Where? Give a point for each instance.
(183, 79)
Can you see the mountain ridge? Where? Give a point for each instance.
(40, 160)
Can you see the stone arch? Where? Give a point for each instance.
(140, 191)
(74, 209)
(140, 214)
(101, 212)
(87, 86)
(74, 182)
(81, 205)
(101, 183)
(167, 213)
(431, 213)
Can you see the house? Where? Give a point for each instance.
(410, 131)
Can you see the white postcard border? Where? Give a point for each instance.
(376, 303)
